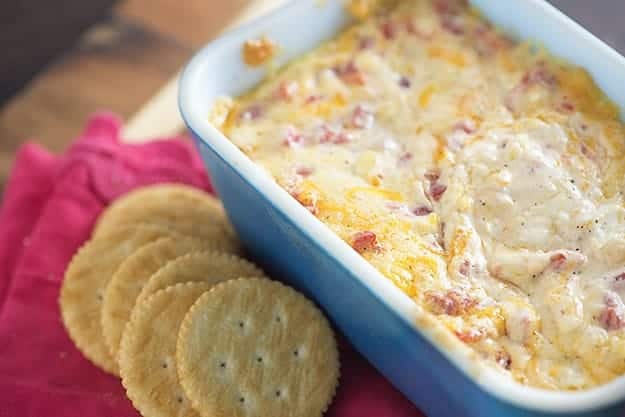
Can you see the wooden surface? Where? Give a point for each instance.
(118, 64)
(131, 52)
(29, 37)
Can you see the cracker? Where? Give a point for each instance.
(187, 210)
(206, 266)
(125, 286)
(85, 280)
(254, 347)
(148, 352)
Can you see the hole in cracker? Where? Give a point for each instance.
(164, 365)
(278, 393)
(242, 400)
(222, 365)
(296, 352)
(259, 359)
(241, 324)
(278, 319)
(99, 297)
(179, 400)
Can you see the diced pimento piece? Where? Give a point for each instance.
(442, 6)
(258, 51)
(539, 74)
(453, 24)
(404, 82)
(342, 138)
(503, 359)
(333, 136)
(437, 190)
(400, 208)
(466, 125)
(587, 152)
(405, 156)
(327, 134)
(566, 258)
(252, 112)
(364, 241)
(471, 335)
(489, 41)
(451, 303)
(449, 16)
(412, 29)
(304, 171)
(287, 90)
(557, 260)
(465, 268)
(361, 118)
(612, 317)
(421, 211)
(292, 138)
(432, 174)
(313, 98)
(449, 6)
(366, 42)
(566, 106)
(354, 78)
(389, 29)
(350, 74)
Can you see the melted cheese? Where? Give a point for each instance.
(481, 176)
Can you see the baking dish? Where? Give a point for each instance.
(438, 374)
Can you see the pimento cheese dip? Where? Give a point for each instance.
(480, 175)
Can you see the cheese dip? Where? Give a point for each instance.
(480, 175)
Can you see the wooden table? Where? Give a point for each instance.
(118, 64)
(124, 59)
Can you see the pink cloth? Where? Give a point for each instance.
(48, 210)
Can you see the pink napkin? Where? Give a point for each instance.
(47, 212)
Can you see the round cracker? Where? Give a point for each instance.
(148, 352)
(85, 281)
(255, 347)
(206, 266)
(187, 210)
(125, 286)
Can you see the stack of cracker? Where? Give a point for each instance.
(161, 297)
